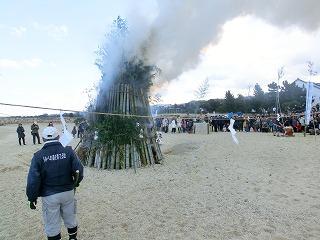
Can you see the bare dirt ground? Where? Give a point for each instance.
(265, 188)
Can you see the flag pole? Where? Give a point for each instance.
(309, 98)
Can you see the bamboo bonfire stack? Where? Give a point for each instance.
(127, 100)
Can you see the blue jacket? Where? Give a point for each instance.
(52, 170)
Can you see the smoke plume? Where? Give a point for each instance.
(183, 28)
(179, 30)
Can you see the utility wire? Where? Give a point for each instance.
(102, 113)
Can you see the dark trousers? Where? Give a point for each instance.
(80, 134)
(24, 143)
(34, 136)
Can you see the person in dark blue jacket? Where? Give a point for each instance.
(54, 173)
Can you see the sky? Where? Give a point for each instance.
(48, 50)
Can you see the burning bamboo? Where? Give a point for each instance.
(119, 142)
(119, 153)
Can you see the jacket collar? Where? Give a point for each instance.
(51, 143)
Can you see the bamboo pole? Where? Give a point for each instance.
(134, 157)
(134, 103)
(131, 110)
(101, 158)
(114, 100)
(148, 157)
(151, 155)
(91, 157)
(113, 156)
(109, 156)
(142, 153)
(98, 159)
(122, 157)
(117, 160)
(127, 99)
(111, 99)
(123, 99)
(95, 159)
(127, 165)
(120, 98)
(138, 161)
(104, 157)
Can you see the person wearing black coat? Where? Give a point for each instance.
(21, 135)
(35, 132)
(74, 131)
(54, 173)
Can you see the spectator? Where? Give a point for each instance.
(179, 124)
(165, 125)
(74, 131)
(21, 135)
(173, 126)
(35, 132)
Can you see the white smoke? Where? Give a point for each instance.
(183, 28)
(175, 32)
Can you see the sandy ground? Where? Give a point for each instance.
(207, 188)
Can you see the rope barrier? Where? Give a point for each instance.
(112, 114)
(75, 111)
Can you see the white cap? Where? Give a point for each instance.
(50, 133)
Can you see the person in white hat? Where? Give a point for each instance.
(54, 173)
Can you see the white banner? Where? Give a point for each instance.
(232, 131)
(308, 102)
(66, 137)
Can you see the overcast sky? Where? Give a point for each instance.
(47, 53)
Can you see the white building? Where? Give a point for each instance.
(316, 89)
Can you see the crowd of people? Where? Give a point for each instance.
(175, 124)
(35, 132)
(217, 123)
(249, 123)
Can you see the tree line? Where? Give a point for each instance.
(292, 99)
